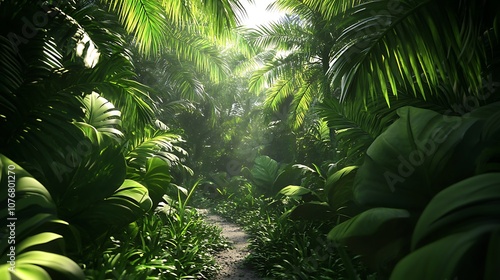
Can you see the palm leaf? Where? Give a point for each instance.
(156, 143)
(146, 20)
(10, 73)
(199, 50)
(378, 57)
(301, 103)
(284, 34)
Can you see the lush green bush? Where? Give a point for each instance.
(431, 184)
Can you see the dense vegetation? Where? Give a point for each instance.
(352, 139)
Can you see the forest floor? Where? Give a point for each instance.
(231, 260)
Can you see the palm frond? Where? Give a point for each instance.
(415, 48)
(223, 13)
(172, 108)
(114, 79)
(146, 20)
(198, 50)
(302, 101)
(156, 143)
(102, 28)
(278, 68)
(287, 33)
(11, 76)
(332, 9)
(183, 79)
(279, 92)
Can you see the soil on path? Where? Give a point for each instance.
(231, 260)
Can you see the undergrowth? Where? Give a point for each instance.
(282, 248)
(162, 245)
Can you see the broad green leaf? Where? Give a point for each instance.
(338, 186)
(61, 264)
(473, 201)
(414, 159)
(156, 143)
(288, 175)
(156, 178)
(37, 239)
(128, 203)
(294, 191)
(78, 191)
(304, 168)
(264, 172)
(30, 271)
(371, 230)
(103, 116)
(34, 207)
(181, 189)
(492, 270)
(25, 185)
(446, 258)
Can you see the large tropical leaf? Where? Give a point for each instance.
(454, 254)
(102, 116)
(459, 207)
(27, 221)
(156, 178)
(264, 172)
(294, 191)
(31, 265)
(421, 156)
(404, 166)
(338, 187)
(76, 192)
(462, 218)
(314, 210)
(388, 226)
(356, 124)
(128, 203)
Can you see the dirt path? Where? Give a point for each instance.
(231, 261)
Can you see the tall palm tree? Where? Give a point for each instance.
(305, 42)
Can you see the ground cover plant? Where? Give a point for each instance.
(161, 245)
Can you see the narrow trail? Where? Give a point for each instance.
(231, 260)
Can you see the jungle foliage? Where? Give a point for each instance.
(82, 144)
(352, 139)
(408, 129)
